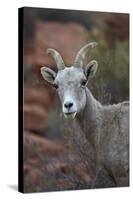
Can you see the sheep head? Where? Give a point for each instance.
(70, 82)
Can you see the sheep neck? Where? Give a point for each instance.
(90, 118)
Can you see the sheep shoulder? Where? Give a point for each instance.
(114, 142)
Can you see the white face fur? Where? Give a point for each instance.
(70, 84)
(71, 89)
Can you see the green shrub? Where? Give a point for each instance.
(111, 81)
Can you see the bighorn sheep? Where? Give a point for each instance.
(105, 127)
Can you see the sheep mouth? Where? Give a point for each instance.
(70, 115)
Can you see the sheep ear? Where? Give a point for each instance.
(48, 74)
(91, 69)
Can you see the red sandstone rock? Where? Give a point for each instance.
(66, 38)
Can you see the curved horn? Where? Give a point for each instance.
(57, 57)
(78, 62)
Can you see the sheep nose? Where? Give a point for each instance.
(68, 105)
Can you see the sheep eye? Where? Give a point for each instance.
(55, 86)
(84, 82)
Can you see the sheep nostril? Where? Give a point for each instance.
(68, 105)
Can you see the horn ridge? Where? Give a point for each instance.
(78, 62)
(57, 57)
